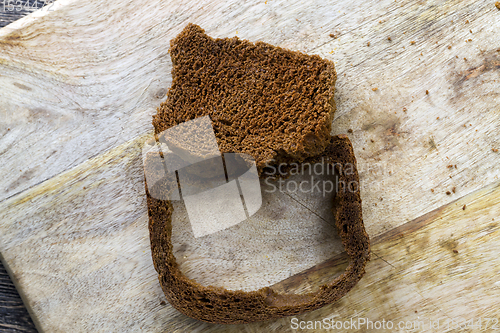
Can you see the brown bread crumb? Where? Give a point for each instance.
(448, 192)
(455, 251)
(374, 89)
(463, 208)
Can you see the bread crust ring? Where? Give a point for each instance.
(218, 305)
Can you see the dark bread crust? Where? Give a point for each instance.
(273, 104)
(218, 305)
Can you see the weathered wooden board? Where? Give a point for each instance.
(70, 96)
(441, 267)
(90, 269)
(86, 77)
(79, 244)
(78, 247)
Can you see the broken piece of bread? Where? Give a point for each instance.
(277, 106)
(270, 103)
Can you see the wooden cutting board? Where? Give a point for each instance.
(417, 85)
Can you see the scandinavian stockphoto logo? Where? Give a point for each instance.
(218, 190)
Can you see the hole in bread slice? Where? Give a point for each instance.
(217, 304)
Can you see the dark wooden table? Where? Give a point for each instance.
(13, 314)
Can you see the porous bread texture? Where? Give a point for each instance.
(271, 103)
(218, 305)
(276, 106)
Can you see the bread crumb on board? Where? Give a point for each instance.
(463, 208)
(455, 251)
(374, 89)
(494, 150)
(497, 4)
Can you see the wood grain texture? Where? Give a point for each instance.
(78, 245)
(440, 267)
(76, 84)
(84, 233)
(71, 97)
(14, 317)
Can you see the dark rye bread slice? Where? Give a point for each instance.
(218, 305)
(271, 103)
